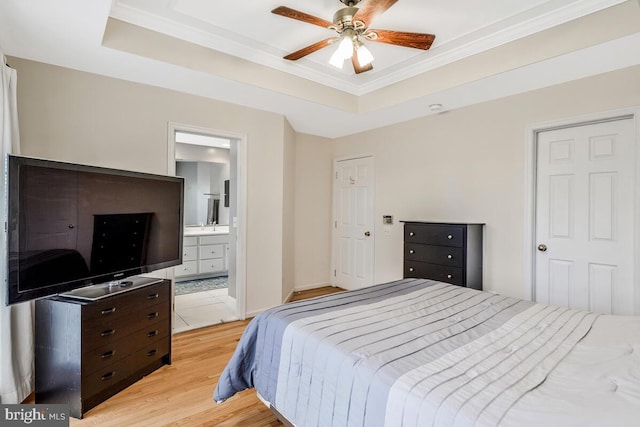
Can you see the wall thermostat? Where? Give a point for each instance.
(387, 219)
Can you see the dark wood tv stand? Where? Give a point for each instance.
(87, 351)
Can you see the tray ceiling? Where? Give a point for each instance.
(232, 51)
(248, 30)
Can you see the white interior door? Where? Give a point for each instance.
(585, 223)
(354, 213)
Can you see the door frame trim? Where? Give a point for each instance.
(334, 215)
(241, 176)
(530, 179)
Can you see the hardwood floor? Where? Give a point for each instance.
(181, 394)
(312, 293)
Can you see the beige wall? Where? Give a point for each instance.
(464, 165)
(288, 212)
(467, 165)
(80, 117)
(313, 203)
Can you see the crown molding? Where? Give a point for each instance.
(229, 43)
(515, 31)
(489, 37)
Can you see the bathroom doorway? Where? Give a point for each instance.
(207, 289)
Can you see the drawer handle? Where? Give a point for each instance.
(449, 256)
(153, 333)
(108, 376)
(412, 233)
(449, 237)
(411, 251)
(109, 310)
(107, 354)
(448, 276)
(152, 315)
(108, 332)
(153, 296)
(152, 352)
(410, 268)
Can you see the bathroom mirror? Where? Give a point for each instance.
(205, 170)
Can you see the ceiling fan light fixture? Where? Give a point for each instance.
(364, 55)
(337, 59)
(345, 48)
(343, 52)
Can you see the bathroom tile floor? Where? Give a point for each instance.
(201, 309)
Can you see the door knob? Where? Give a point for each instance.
(367, 233)
(542, 247)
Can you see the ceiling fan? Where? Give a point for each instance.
(352, 25)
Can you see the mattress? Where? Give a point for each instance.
(417, 352)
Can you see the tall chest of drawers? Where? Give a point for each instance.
(447, 252)
(87, 351)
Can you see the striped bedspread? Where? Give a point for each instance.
(412, 352)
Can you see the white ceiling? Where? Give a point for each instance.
(250, 31)
(70, 33)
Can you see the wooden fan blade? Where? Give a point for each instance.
(301, 16)
(371, 9)
(310, 49)
(356, 65)
(400, 38)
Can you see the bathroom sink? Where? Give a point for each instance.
(207, 229)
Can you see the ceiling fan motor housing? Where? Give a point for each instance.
(343, 18)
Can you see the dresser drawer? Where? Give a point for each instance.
(423, 270)
(151, 352)
(110, 375)
(105, 355)
(435, 234)
(115, 307)
(108, 330)
(442, 255)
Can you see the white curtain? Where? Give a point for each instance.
(16, 321)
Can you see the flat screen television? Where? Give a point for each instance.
(71, 226)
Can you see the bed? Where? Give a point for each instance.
(418, 352)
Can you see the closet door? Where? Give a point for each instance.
(353, 222)
(585, 222)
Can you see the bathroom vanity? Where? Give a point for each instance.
(205, 252)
